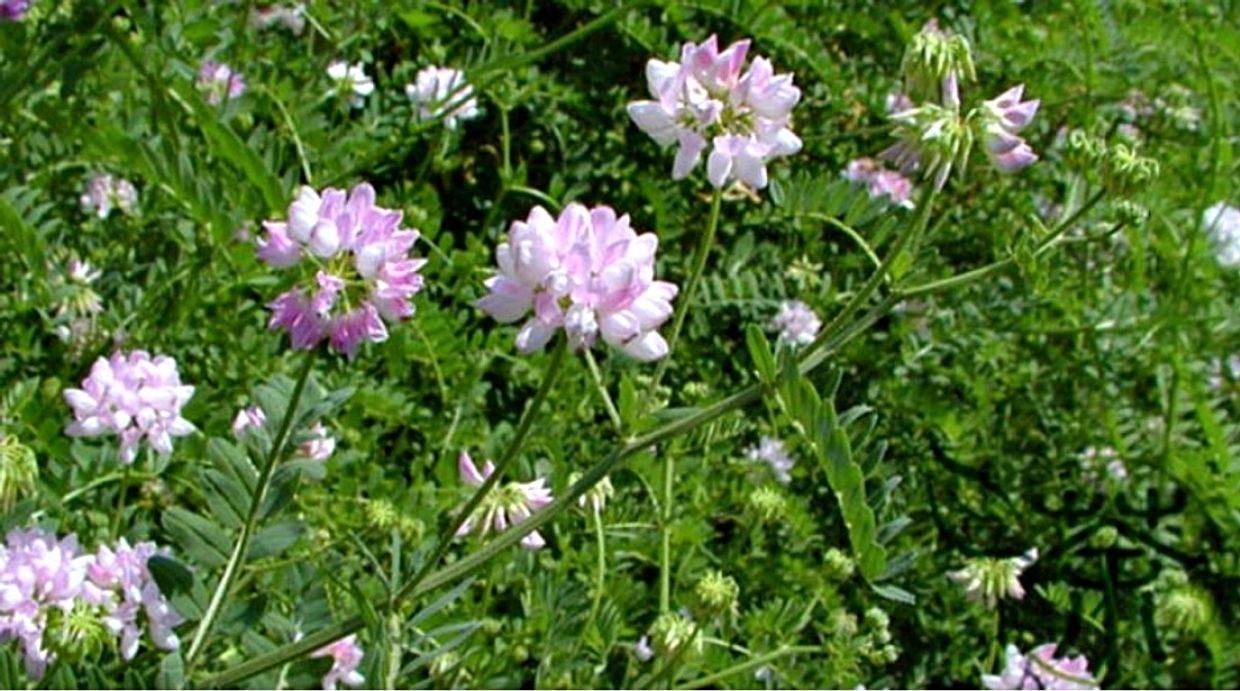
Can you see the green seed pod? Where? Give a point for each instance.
(19, 471)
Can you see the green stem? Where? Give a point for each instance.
(232, 568)
(665, 532)
(602, 390)
(510, 454)
(600, 578)
(755, 663)
(1043, 246)
(686, 299)
(119, 514)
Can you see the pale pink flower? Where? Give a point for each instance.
(123, 577)
(352, 81)
(38, 573)
(1040, 669)
(219, 82)
(365, 277)
(898, 102)
(435, 88)
(319, 447)
(587, 272)
(132, 396)
(252, 416)
(796, 322)
(1003, 117)
(706, 98)
(13, 10)
(105, 192)
(346, 657)
(880, 182)
(504, 506)
(771, 451)
(988, 580)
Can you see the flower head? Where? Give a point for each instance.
(13, 10)
(796, 322)
(104, 193)
(989, 580)
(352, 81)
(709, 99)
(121, 573)
(220, 82)
(772, 452)
(935, 60)
(1040, 669)
(38, 573)
(135, 397)
(364, 275)
(436, 88)
(1222, 225)
(346, 656)
(587, 272)
(505, 506)
(930, 138)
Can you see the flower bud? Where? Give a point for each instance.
(767, 504)
(717, 594)
(1125, 171)
(934, 62)
(1130, 213)
(837, 565)
(671, 632)
(931, 139)
(381, 514)
(1182, 607)
(19, 471)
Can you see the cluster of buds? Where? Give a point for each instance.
(77, 304)
(105, 192)
(135, 397)
(587, 272)
(1040, 669)
(364, 274)
(988, 580)
(441, 92)
(597, 496)
(1182, 608)
(19, 471)
(507, 505)
(934, 135)
(717, 595)
(48, 583)
(708, 98)
(220, 82)
(675, 633)
(768, 504)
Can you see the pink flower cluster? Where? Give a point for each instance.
(706, 98)
(588, 272)
(40, 573)
(346, 656)
(318, 448)
(13, 10)
(1003, 117)
(105, 192)
(220, 82)
(796, 322)
(365, 275)
(135, 397)
(771, 451)
(508, 505)
(880, 182)
(1040, 669)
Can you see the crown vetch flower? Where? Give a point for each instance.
(220, 82)
(771, 451)
(319, 447)
(588, 272)
(38, 572)
(346, 657)
(135, 397)
(365, 276)
(796, 322)
(988, 580)
(505, 506)
(436, 88)
(105, 192)
(351, 80)
(122, 575)
(13, 10)
(880, 182)
(1002, 117)
(1040, 669)
(706, 99)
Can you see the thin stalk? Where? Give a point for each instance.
(665, 533)
(755, 663)
(1043, 246)
(686, 299)
(119, 514)
(600, 577)
(510, 454)
(602, 391)
(916, 227)
(232, 568)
